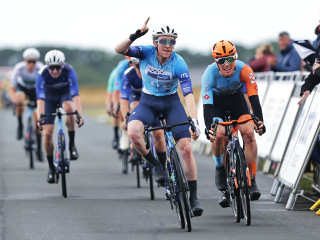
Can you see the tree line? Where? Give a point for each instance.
(93, 66)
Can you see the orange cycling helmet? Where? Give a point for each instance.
(223, 48)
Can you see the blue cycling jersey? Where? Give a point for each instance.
(130, 83)
(214, 83)
(46, 84)
(121, 67)
(161, 79)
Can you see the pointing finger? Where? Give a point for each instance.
(147, 21)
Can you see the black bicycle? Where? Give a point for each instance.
(29, 137)
(238, 176)
(61, 161)
(176, 183)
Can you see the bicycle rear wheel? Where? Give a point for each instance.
(138, 173)
(124, 158)
(244, 186)
(183, 188)
(29, 142)
(63, 165)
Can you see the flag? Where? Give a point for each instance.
(305, 50)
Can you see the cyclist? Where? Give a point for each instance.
(110, 106)
(130, 97)
(57, 85)
(23, 86)
(161, 70)
(222, 90)
(120, 69)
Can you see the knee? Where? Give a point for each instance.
(248, 137)
(220, 139)
(186, 151)
(47, 136)
(133, 134)
(68, 108)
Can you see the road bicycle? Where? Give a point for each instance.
(61, 160)
(176, 183)
(238, 176)
(29, 137)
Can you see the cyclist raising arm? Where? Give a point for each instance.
(57, 85)
(161, 70)
(222, 90)
(22, 86)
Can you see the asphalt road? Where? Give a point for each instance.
(103, 203)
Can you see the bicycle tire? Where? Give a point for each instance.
(182, 184)
(63, 165)
(150, 182)
(30, 143)
(234, 193)
(244, 187)
(124, 158)
(138, 173)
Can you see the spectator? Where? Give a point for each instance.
(314, 77)
(288, 59)
(261, 62)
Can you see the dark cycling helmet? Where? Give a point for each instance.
(223, 48)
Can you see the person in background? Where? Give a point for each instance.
(314, 77)
(261, 62)
(57, 84)
(23, 86)
(288, 60)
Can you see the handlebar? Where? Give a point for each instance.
(59, 115)
(233, 123)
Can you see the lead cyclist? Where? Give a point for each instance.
(161, 70)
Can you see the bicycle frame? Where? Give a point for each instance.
(59, 158)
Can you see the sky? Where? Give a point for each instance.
(102, 24)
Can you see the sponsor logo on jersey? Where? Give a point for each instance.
(157, 73)
(251, 76)
(253, 82)
(184, 75)
(206, 97)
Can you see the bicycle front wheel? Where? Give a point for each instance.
(149, 170)
(63, 165)
(182, 187)
(244, 186)
(234, 193)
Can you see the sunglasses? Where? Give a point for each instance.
(53, 67)
(31, 61)
(165, 41)
(229, 59)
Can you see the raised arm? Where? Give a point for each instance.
(123, 47)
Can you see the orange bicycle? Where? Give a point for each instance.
(238, 176)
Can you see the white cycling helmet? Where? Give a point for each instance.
(54, 57)
(164, 30)
(134, 60)
(31, 53)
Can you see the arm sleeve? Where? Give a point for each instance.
(247, 77)
(256, 106)
(125, 88)
(74, 88)
(111, 81)
(310, 82)
(208, 115)
(182, 71)
(14, 76)
(40, 87)
(207, 87)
